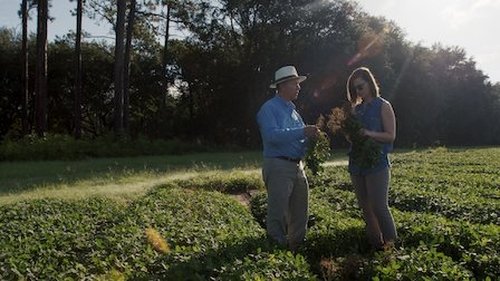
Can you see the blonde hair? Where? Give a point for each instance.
(365, 74)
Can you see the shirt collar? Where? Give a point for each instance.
(284, 102)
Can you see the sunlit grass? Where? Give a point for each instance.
(119, 178)
(120, 187)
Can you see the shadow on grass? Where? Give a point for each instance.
(205, 265)
(339, 255)
(343, 256)
(251, 258)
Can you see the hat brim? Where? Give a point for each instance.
(275, 84)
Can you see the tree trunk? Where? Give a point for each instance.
(78, 71)
(41, 69)
(165, 50)
(119, 62)
(164, 96)
(25, 75)
(126, 71)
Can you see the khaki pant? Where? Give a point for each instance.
(287, 201)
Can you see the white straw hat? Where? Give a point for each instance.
(286, 73)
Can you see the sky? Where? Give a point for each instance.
(60, 11)
(470, 24)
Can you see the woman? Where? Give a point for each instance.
(372, 184)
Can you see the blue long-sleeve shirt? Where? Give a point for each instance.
(282, 129)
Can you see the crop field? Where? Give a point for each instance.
(200, 217)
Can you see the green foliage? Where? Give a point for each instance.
(237, 182)
(279, 265)
(51, 239)
(335, 234)
(453, 183)
(421, 263)
(64, 147)
(337, 200)
(474, 209)
(447, 226)
(203, 229)
(234, 47)
(258, 207)
(209, 235)
(365, 152)
(473, 246)
(317, 153)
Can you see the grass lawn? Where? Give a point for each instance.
(117, 177)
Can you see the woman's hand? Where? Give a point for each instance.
(365, 132)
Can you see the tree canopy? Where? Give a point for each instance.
(210, 84)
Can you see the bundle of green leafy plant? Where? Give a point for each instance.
(365, 152)
(318, 151)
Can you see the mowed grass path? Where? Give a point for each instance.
(131, 177)
(119, 178)
(115, 177)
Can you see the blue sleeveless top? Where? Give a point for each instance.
(370, 115)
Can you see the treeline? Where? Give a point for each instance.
(208, 85)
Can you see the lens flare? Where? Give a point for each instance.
(369, 45)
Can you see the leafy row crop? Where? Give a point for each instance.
(51, 239)
(469, 208)
(169, 234)
(462, 238)
(429, 246)
(189, 230)
(475, 246)
(473, 172)
(236, 182)
(444, 189)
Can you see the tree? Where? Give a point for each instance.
(41, 69)
(24, 62)
(78, 72)
(237, 45)
(221, 71)
(141, 29)
(165, 46)
(11, 100)
(126, 70)
(119, 66)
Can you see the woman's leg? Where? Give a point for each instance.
(364, 202)
(377, 188)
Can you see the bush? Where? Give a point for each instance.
(64, 147)
(258, 207)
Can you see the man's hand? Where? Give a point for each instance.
(311, 131)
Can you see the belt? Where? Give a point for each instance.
(295, 160)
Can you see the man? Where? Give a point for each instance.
(284, 137)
